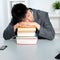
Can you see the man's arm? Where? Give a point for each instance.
(46, 29)
(9, 31)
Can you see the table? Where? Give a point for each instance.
(44, 50)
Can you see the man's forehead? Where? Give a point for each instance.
(30, 11)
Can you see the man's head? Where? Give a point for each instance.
(21, 13)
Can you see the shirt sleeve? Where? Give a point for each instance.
(9, 32)
(46, 30)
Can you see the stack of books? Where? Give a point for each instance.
(26, 35)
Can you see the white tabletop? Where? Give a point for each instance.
(44, 50)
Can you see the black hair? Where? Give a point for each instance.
(30, 8)
(19, 12)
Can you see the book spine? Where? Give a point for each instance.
(26, 41)
(26, 34)
(26, 29)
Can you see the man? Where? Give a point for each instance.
(21, 15)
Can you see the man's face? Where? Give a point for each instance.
(29, 16)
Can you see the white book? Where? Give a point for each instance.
(26, 40)
(26, 34)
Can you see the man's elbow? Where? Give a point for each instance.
(5, 36)
(52, 36)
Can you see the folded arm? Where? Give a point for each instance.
(9, 32)
(46, 30)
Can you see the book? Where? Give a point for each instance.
(26, 40)
(26, 33)
(30, 29)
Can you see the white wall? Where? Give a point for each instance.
(45, 5)
(1, 17)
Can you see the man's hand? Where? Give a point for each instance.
(16, 26)
(27, 24)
